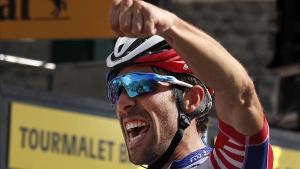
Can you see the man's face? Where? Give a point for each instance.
(148, 122)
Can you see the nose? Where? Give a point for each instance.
(125, 103)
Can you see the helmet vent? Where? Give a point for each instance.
(127, 49)
(120, 48)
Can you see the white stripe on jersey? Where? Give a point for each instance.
(234, 151)
(221, 165)
(230, 160)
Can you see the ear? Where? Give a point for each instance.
(193, 98)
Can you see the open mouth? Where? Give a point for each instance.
(136, 129)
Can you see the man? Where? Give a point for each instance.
(162, 105)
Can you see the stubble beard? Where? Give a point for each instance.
(154, 149)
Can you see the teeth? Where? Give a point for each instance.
(134, 124)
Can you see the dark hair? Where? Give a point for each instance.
(178, 91)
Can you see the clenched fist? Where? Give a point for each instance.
(136, 18)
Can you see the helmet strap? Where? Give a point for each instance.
(183, 122)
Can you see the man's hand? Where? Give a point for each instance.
(136, 18)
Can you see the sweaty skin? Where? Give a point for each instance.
(154, 109)
(236, 101)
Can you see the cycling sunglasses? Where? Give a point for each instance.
(138, 83)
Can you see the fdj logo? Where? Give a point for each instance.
(20, 9)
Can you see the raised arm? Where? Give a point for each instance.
(236, 101)
(235, 98)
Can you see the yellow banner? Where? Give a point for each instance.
(54, 19)
(286, 158)
(48, 138)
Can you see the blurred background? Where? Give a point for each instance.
(52, 63)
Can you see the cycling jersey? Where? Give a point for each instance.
(232, 150)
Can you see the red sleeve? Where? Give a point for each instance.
(234, 150)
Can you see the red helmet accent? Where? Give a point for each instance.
(168, 60)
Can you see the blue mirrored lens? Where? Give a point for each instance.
(135, 84)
